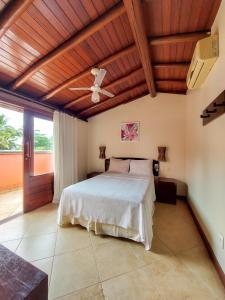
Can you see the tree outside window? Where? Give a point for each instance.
(42, 142)
(10, 137)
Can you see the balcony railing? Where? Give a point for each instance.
(11, 167)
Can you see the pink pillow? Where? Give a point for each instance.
(141, 167)
(119, 165)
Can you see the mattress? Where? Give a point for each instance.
(111, 203)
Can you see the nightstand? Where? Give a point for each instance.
(166, 190)
(93, 174)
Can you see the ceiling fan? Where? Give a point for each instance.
(96, 88)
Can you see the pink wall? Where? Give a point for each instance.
(11, 168)
(43, 163)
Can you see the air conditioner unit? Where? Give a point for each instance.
(205, 55)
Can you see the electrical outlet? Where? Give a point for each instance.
(221, 240)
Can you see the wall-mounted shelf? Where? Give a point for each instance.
(215, 109)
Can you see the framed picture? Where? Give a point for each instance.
(130, 131)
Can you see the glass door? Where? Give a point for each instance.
(11, 161)
(38, 160)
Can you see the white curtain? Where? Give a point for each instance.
(65, 152)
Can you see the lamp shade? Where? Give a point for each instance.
(102, 152)
(162, 153)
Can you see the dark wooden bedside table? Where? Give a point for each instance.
(166, 190)
(93, 174)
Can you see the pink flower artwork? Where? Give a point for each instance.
(130, 131)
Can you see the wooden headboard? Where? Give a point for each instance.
(154, 163)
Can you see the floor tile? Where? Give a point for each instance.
(39, 227)
(198, 262)
(10, 233)
(37, 247)
(158, 251)
(72, 271)
(72, 238)
(15, 222)
(45, 265)
(177, 283)
(172, 214)
(91, 293)
(12, 245)
(159, 280)
(130, 286)
(46, 215)
(100, 239)
(178, 236)
(115, 258)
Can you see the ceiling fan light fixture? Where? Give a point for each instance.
(95, 97)
(96, 87)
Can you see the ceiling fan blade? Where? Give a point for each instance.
(106, 93)
(80, 89)
(99, 78)
(95, 97)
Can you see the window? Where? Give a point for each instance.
(43, 146)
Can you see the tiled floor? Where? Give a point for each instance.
(81, 265)
(11, 203)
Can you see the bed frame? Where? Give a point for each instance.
(155, 163)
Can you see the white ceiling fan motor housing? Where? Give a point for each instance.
(95, 71)
(95, 88)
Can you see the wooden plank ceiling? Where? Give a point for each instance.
(47, 46)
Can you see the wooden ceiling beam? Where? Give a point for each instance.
(184, 92)
(174, 86)
(171, 65)
(170, 80)
(136, 20)
(126, 51)
(11, 13)
(85, 73)
(76, 39)
(107, 87)
(178, 38)
(124, 93)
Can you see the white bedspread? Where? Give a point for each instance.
(116, 199)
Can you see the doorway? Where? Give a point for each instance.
(26, 160)
(11, 161)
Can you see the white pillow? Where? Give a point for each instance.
(141, 167)
(119, 165)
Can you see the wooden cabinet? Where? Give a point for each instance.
(20, 279)
(166, 190)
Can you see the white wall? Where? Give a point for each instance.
(82, 131)
(205, 150)
(161, 123)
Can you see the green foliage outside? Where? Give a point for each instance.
(10, 138)
(42, 141)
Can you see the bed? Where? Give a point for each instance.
(116, 204)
